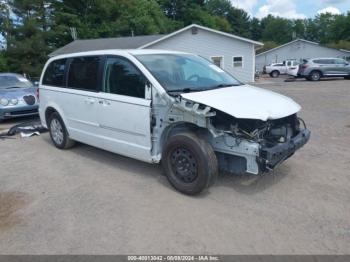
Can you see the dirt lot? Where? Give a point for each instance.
(89, 201)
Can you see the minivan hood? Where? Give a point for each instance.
(246, 101)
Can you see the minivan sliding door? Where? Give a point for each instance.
(80, 101)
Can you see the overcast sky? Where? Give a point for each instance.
(292, 8)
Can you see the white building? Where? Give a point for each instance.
(232, 53)
(298, 49)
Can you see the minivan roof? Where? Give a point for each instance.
(325, 58)
(118, 52)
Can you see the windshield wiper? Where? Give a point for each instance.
(225, 85)
(12, 87)
(186, 90)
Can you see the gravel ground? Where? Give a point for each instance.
(89, 201)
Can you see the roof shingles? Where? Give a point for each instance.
(106, 43)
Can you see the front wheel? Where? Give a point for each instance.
(58, 132)
(189, 163)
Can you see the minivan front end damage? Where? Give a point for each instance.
(256, 146)
(241, 145)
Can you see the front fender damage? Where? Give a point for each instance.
(240, 144)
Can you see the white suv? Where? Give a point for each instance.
(170, 107)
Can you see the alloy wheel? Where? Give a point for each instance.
(56, 130)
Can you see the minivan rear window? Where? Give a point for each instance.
(54, 74)
(83, 73)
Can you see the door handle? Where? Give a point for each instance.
(104, 102)
(90, 101)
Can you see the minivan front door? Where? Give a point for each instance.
(124, 113)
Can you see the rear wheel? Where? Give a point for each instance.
(189, 163)
(58, 132)
(275, 74)
(347, 77)
(315, 76)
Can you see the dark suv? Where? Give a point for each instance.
(316, 68)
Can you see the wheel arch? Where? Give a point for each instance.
(316, 70)
(48, 112)
(50, 109)
(275, 70)
(179, 127)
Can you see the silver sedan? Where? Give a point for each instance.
(18, 96)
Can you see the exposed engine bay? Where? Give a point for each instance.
(273, 141)
(268, 132)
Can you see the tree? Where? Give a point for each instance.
(238, 19)
(219, 7)
(178, 9)
(267, 46)
(3, 62)
(299, 28)
(342, 44)
(276, 29)
(143, 17)
(5, 23)
(27, 46)
(255, 29)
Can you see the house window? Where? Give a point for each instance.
(237, 61)
(217, 60)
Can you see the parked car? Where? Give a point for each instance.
(170, 107)
(18, 96)
(316, 68)
(293, 71)
(276, 69)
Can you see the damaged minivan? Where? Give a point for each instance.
(172, 108)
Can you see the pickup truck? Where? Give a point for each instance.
(276, 69)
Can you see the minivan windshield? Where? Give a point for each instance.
(179, 73)
(11, 81)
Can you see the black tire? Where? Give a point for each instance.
(274, 73)
(315, 75)
(347, 78)
(55, 124)
(189, 163)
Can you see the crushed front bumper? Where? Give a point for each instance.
(270, 157)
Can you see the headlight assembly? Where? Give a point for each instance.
(4, 101)
(14, 101)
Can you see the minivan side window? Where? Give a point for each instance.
(54, 74)
(83, 73)
(123, 78)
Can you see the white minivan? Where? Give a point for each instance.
(170, 107)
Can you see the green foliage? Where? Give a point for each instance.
(277, 29)
(267, 46)
(342, 44)
(27, 45)
(40, 26)
(3, 63)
